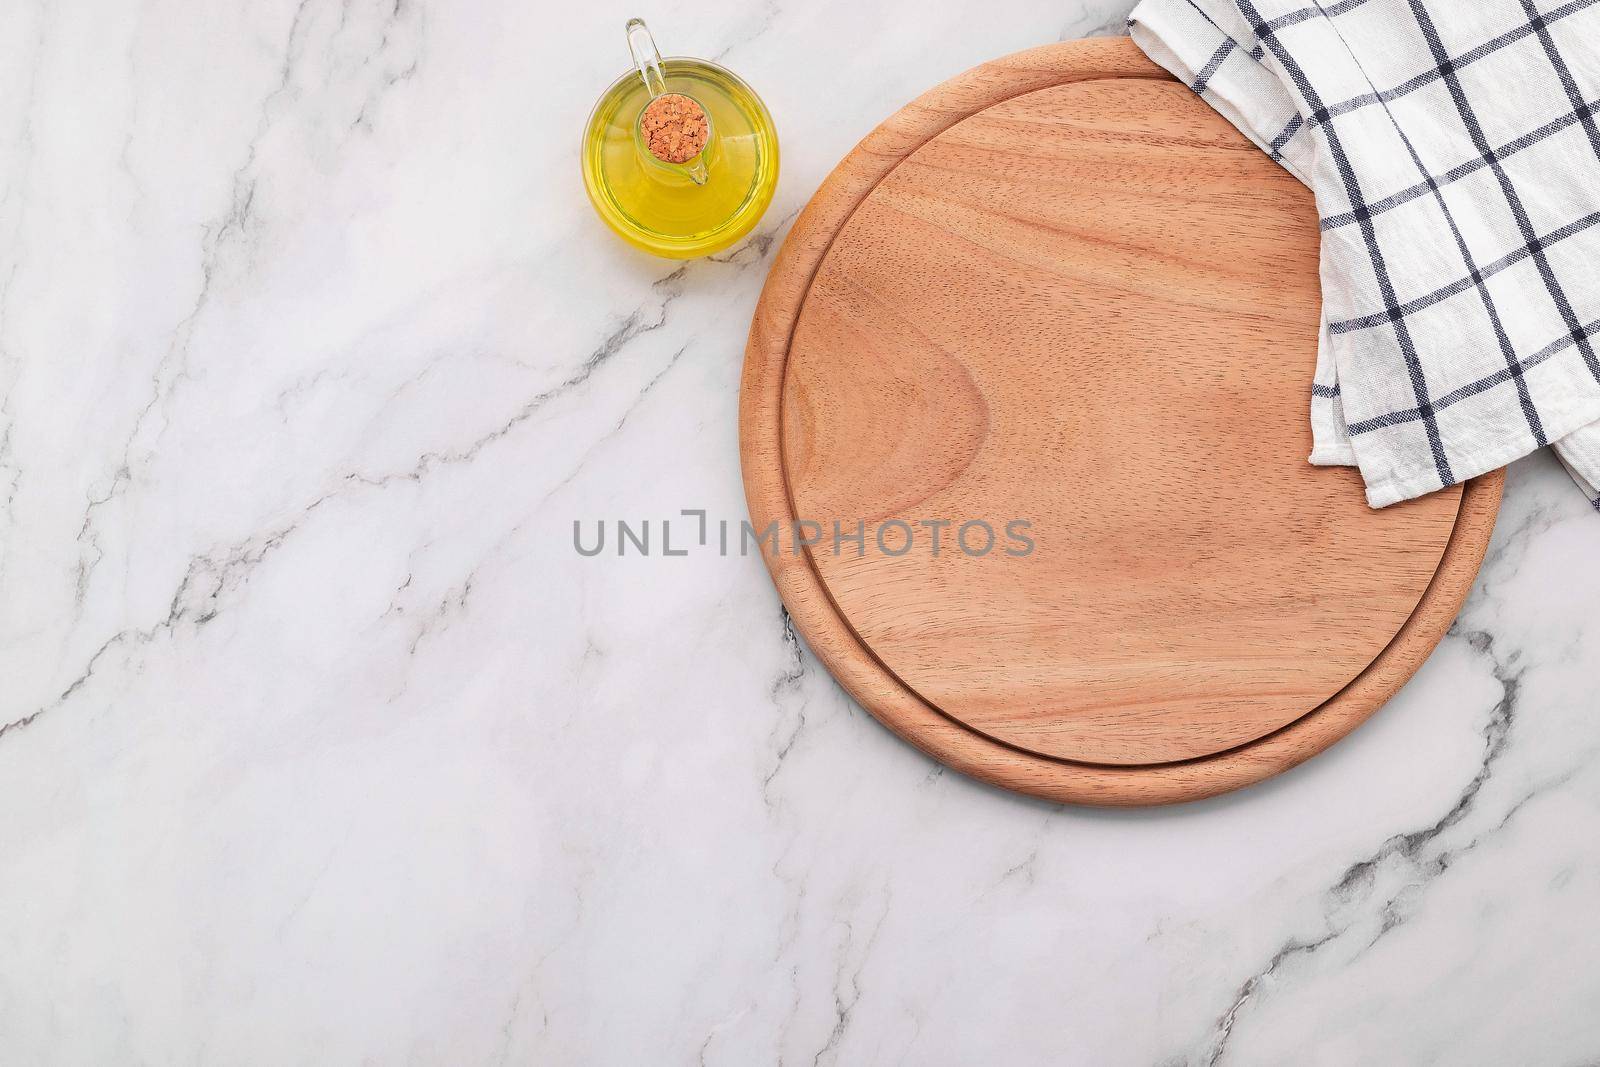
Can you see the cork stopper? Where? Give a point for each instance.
(674, 127)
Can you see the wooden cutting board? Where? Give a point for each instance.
(1059, 290)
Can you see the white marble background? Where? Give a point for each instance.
(321, 745)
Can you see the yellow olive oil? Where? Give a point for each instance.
(659, 208)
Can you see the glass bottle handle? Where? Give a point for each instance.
(647, 61)
(646, 57)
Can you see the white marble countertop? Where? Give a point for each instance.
(321, 745)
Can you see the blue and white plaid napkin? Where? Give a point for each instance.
(1454, 150)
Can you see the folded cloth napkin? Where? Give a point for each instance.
(1454, 150)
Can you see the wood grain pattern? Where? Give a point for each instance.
(1061, 289)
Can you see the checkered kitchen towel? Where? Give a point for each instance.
(1454, 149)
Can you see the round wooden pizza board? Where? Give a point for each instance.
(1059, 290)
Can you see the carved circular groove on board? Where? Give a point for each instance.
(1060, 289)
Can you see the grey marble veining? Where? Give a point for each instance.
(319, 743)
